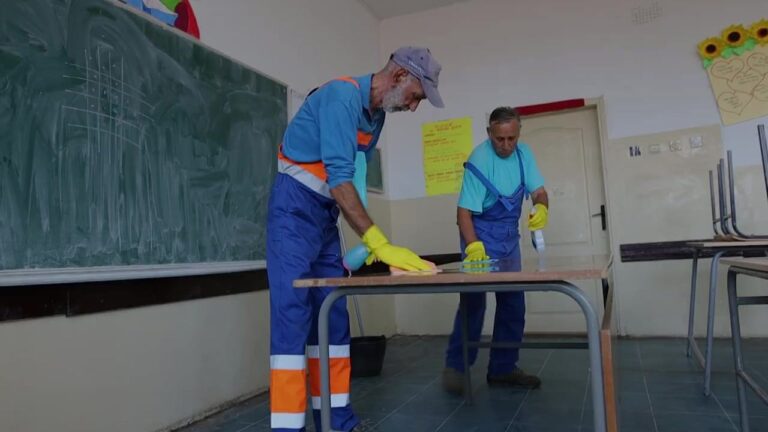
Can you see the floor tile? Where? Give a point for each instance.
(659, 390)
(693, 404)
(402, 422)
(688, 422)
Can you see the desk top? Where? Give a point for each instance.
(570, 268)
(730, 244)
(758, 264)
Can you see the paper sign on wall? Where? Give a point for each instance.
(737, 66)
(447, 145)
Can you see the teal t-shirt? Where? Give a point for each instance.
(502, 173)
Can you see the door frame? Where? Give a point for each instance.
(598, 104)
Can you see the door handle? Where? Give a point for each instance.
(602, 216)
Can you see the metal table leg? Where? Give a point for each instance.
(593, 336)
(465, 350)
(737, 359)
(711, 321)
(692, 306)
(595, 358)
(704, 360)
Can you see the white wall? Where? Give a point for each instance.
(303, 43)
(145, 369)
(132, 370)
(500, 52)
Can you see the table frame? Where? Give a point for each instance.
(720, 249)
(566, 288)
(734, 301)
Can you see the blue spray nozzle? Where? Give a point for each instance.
(355, 257)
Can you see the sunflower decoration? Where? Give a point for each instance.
(710, 49)
(738, 39)
(735, 35)
(759, 31)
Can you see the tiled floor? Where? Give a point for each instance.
(660, 390)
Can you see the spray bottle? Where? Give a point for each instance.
(355, 257)
(537, 240)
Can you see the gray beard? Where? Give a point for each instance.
(393, 101)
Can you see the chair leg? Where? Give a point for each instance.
(737, 358)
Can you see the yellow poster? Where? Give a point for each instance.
(447, 145)
(737, 66)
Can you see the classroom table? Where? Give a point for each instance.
(758, 268)
(719, 248)
(553, 274)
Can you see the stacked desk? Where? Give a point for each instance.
(758, 268)
(696, 250)
(718, 249)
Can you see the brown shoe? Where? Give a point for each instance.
(516, 378)
(453, 381)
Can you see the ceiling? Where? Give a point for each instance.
(384, 9)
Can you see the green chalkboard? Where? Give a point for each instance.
(122, 141)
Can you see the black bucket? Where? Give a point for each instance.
(367, 355)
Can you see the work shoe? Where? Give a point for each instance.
(453, 381)
(516, 378)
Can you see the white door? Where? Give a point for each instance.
(567, 149)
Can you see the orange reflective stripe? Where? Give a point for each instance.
(349, 80)
(364, 138)
(318, 168)
(288, 391)
(340, 371)
(315, 168)
(313, 365)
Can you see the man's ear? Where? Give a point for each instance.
(399, 75)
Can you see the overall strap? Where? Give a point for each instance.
(522, 171)
(488, 185)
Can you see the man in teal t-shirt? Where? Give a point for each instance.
(500, 173)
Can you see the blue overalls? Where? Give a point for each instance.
(497, 228)
(303, 242)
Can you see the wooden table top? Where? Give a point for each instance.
(569, 268)
(758, 264)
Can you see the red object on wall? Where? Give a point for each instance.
(186, 20)
(550, 107)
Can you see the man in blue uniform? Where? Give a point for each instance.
(338, 123)
(500, 173)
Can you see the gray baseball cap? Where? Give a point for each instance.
(422, 65)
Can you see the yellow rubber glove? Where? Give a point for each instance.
(389, 254)
(539, 219)
(475, 252)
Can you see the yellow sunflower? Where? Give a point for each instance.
(759, 31)
(735, 35)
(711, 48)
